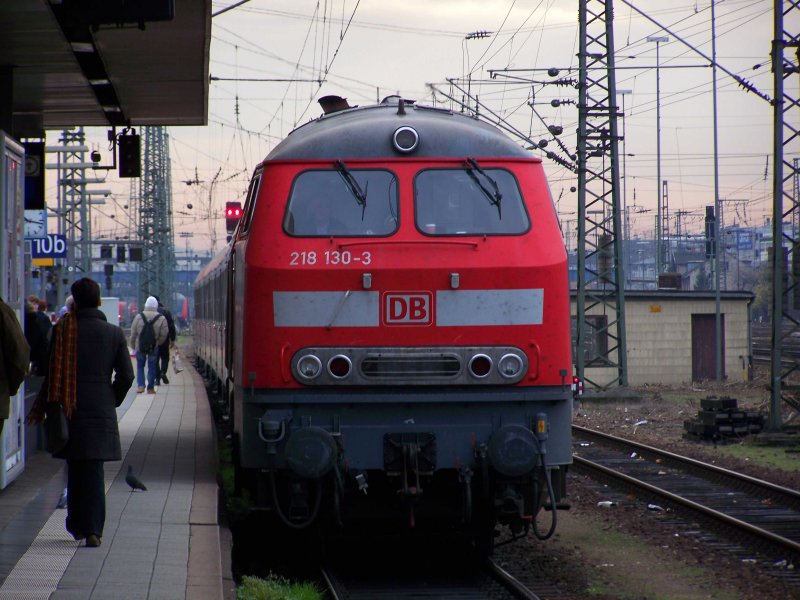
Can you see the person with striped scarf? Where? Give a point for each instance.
(86, 352)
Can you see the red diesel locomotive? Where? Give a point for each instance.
(390, 326)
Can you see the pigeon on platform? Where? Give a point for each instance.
(132, 480)
(62, 500)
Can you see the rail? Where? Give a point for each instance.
(342, 585)
(786, 495)
(760, 535)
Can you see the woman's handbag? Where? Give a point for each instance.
(56, 427)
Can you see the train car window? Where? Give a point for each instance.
(465, 202)
(362, 202)
(249, 203)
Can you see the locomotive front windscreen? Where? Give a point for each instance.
(342, 202)
(469, 201)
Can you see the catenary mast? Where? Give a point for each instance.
(155, 217)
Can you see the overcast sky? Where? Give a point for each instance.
(366, 49)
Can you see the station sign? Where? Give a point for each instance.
(51, 246)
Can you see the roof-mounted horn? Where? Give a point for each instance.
(394, 99)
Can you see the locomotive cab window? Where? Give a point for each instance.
(342, 202)
(249, 205)
(469, 201)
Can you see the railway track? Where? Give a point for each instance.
(762, 345)
(488, 581)
(755, 514)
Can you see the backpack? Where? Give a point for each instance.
(147, 339)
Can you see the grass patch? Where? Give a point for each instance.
(226, 468)
(237, 506)
(276, 588)
(622, 565)
(774, 457)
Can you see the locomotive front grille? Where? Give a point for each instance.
(385, 366)
(392, 366)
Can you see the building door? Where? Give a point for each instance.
(704, 344)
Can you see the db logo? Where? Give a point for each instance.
(408, 308)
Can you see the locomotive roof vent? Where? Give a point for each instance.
(332, 104)
(405, 139)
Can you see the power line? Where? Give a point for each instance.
(740, 80)
(231, 7)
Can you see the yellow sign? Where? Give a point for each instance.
(655, 308)
(43, 262)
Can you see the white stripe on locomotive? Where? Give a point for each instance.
(454, 308)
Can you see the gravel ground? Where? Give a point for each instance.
(630, 552)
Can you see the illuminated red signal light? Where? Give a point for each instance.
(577, 386)
(233, 212)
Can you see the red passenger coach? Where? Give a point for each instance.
(390, 325)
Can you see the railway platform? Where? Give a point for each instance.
(163, 543)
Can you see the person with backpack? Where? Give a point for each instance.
(163, 349)
(148, 331)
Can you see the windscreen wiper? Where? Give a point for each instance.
(494, 198)
(359, 194)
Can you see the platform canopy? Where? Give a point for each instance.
(103, 62)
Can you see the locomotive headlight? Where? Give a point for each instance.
(340, 366)
(480, 366)
(309, 366)
(510, 366)
(405, 139)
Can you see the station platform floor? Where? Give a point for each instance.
(165, 543)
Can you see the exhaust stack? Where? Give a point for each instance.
(332, 104)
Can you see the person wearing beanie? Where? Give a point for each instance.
(149, 357)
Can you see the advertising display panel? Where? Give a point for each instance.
(12, 197)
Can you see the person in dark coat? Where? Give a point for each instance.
(163, 349)
(37, 332)
(85, 352)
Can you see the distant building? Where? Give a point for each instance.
(671, 337)
(748, 247)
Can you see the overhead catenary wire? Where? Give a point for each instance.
(508, 101)
(740, 80)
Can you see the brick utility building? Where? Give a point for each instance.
(671, 337)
